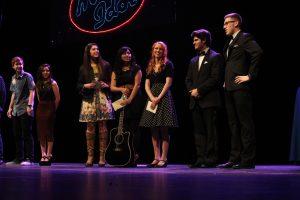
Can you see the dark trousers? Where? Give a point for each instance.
(1, 143)
(22, 128)
(205, 133)
(239, 110)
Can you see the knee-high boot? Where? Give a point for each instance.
(90, 143)
(102, 147)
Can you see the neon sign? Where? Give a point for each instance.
(103, 16)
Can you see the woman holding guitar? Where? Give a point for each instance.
(160, 113)
(125, 81)
(93, 84)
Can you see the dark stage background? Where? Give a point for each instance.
(40, 31)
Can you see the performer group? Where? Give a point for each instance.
(100, 84)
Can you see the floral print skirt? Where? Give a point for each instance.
(98, 109)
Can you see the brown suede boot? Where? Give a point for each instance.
(90, 142)
(102, 148)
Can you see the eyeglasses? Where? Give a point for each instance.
(226, 23)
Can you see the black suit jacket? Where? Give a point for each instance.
(244, 57)
(207, 81)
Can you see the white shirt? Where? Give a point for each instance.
(201, 58)
(233, 36)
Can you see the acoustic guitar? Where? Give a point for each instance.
(120, 151)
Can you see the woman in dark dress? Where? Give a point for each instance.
(125, 80)
(93, 85)
(48, 100)
(159, 78)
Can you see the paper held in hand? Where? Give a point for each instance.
(149, 107)
(117, 104)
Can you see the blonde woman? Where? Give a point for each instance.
(158, 82)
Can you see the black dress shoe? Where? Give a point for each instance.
(197, 164)
(208, 165)
(2, 162)
(162, 164)
(226, 165)
(243, 166)
(153, 164)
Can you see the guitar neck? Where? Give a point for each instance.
(121, 121)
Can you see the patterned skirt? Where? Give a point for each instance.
(165, 115)
(97, 110)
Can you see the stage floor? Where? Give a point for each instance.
(74, 181)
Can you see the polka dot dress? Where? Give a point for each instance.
(165, 115)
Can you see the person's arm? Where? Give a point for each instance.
(37, 93)
(31, 87)
(254, 53)
(30, 102)
(113, 84)
(11, 105)
(148, 90)
(56, 93)
(169, 70)
(137, 84)
(81, 84)
(166, 87)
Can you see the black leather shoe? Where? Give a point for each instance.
(243, 166)
(197, 164)
(101, 164)
(153, 164)
(226, 165)
(208, 165)
(2, 162)
(162, 164)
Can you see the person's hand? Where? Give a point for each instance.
(29, 110)
(9, 113)
(241, 79)
(103, 84)
(194, 92)
(155, 100)
(153, 104)
(89, 85)
(126, 91)
(125, 102)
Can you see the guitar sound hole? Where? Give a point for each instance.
(119, 139)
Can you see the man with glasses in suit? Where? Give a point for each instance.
(242, 57)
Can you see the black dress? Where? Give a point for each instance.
(165, 115)
(132, 111)
(45, 113)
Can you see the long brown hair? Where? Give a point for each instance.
(40, 79)
(162, 61)
(87, 59)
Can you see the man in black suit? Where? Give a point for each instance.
(242, 57)
(203, 81)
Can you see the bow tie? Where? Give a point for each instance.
(202, 53)
(230, 37)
